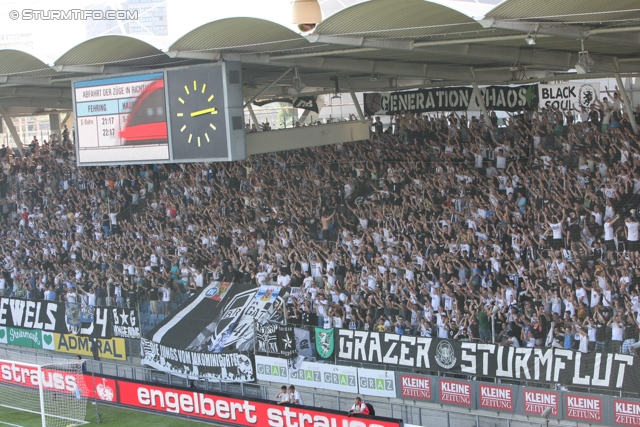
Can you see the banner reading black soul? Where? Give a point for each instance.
(501, 98)
(53, 316)
(551, 365)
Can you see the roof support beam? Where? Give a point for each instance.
(92, 69)
(627, 104)
(362, 42)
(399, 69)
(64, 104)
(560, 30)
(17, 80)
(525, 57)
(33, 92)
(205, 55)
(12, 129)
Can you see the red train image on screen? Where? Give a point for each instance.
(147, 122)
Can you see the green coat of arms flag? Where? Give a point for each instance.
(324, 342)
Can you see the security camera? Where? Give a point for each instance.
(306, 14)
(546, 413)
(306, 28)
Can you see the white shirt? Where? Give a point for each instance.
(616, 332)
(608, 231)
(632, 231)
(557, 230)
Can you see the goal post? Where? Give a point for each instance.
(54, 391)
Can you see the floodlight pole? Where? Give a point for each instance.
(12, 129)
(625, 99)
(254, 118)
(479, 97)
(356, 103)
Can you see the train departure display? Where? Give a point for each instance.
(121, 119)
(177, 115)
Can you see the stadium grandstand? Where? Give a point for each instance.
(478, 251)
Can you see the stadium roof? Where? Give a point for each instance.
(372, 45)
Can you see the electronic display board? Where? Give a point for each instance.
(189, 114)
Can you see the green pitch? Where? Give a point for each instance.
(112, 416)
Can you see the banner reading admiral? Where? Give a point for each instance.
(461, 98)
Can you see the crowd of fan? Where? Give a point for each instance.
(441, 225)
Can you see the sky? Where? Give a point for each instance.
(51, 38)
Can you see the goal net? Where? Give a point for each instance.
(53, 391)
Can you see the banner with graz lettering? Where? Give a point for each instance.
(602, 370)
(53, 316)
(500, 98)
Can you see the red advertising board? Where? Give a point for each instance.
(416, 387)
(105, 388)
(626, 412)
(583, 408)
(26, 375)
(455, 392)
(537, 401)
(58, 380)
(496, 397)
(231, 410)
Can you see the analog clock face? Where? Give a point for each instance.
(195, 118)
(197, 114)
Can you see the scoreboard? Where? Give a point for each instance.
(190, 114)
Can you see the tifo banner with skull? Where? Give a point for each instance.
(210, 335)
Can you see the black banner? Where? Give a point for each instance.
(228, 367)
(553, 365)
(125, 322)
(26, 314)
(501, 98)
(218, 320)
(303, 102)
(266, 338)
(53, 316)
(277, 340)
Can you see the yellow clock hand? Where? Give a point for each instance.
(207, 111)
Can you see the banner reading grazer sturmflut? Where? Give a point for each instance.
(501, 98)
(551, 365)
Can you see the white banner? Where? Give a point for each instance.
(272, 369)
(303, 342)
(372, 382)
(568, 95)
(326, 376)
(310, 374)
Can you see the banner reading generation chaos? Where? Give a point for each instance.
(501, 98)
(552, 365)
